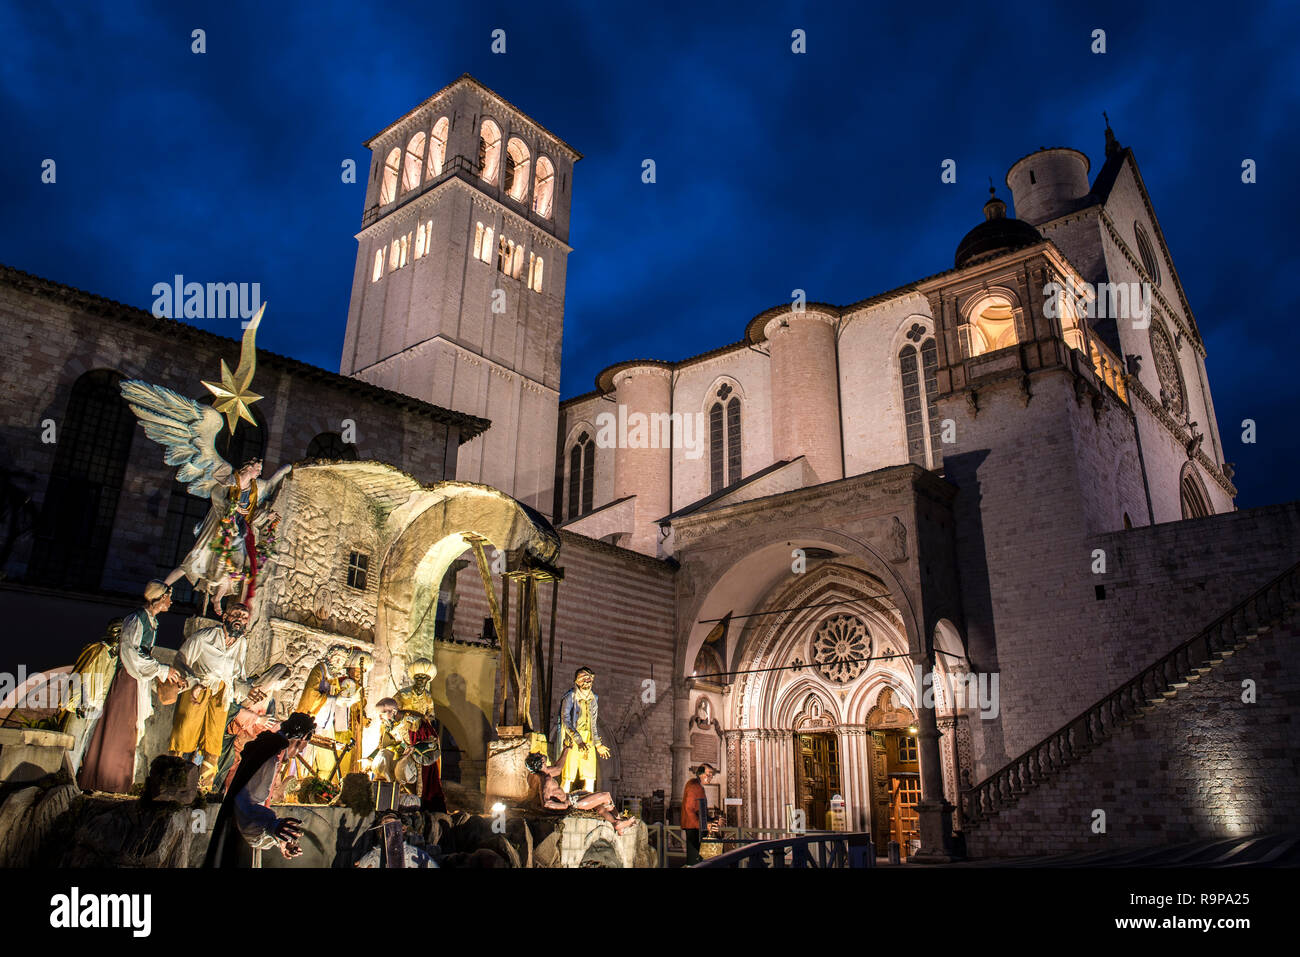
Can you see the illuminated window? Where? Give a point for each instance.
(419, 241)
(414, 162)
(379, 266)
(505, 251)
(517, 265)
(438, 147)
(543, 187)
(518, 168)
(394, 251)
(388, 190)
(992, 326)
(906, 749)
(405, 246)
(536, 284)
(489, 151)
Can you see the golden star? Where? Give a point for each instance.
(232, 394)
(232, 398)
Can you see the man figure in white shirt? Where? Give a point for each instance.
(214, 660)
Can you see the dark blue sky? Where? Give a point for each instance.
(775, 171)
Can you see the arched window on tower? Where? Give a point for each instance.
(582, 476)
(992, 326)
(489, 151)
(518, 169)
(414, 162)
(543, 187)
(388, 188)
(724, 439)
(80, 505)
(438, 147)
(919, 372)
(330, 445)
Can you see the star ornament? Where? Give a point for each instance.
(232, 396)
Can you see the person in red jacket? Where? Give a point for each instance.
(694, 802)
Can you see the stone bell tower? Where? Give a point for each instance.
(458, 293)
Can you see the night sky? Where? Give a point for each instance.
(775, 171)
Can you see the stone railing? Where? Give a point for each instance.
(1163, 679)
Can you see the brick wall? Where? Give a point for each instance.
(615, 615)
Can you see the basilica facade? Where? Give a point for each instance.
(864, 559)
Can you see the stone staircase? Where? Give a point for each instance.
(1271, 606)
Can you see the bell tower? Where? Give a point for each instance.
(458, 292)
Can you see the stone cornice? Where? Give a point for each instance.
(1178, 432)
(467, 355)
(1170, 312)
(433, 194)
(406, 121)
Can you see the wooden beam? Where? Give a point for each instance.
(494, 607)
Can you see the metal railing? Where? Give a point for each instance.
(1158, 681)
(817, 849)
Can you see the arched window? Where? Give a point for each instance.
(582, 476)
(919, 372)
(489, 151)
(1147, 253)
(518, 169)
(388, 188)
(414, 163)
(80, 505)
(330, 445)
(543, 187)
(535, 269)
(724, 439)
(1195, 501)
(379, 265)
(438, 147)
(992, 326)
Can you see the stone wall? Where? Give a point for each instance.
(1203, 764)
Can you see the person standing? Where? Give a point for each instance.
(695, 809)
(578, 731)
(110, 760)
(214, 661)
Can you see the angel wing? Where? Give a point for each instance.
(186, 429)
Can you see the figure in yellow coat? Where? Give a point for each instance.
(579, 733)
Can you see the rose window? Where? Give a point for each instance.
(841, 647)
(1171, 384)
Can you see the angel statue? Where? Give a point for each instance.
(238, 534)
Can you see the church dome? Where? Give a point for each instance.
(996, 235)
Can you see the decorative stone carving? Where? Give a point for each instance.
(898, 541)
(841, 647)
(1166, 362)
